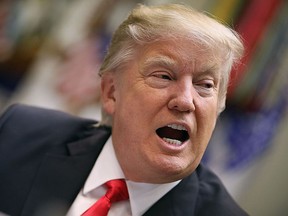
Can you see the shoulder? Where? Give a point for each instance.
(28, 127)
(29, 118)
(213, 196)
(26, 114)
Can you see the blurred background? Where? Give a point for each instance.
(50, 51)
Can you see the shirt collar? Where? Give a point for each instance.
(107, 165)
(142, 195)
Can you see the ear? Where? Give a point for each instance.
(108, 92)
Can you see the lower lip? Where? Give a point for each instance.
(170, 148)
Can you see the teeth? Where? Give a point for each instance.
(172, 141)
(177, 127)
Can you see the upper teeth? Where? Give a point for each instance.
(177, 127)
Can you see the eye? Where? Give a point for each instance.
(159, 79)
(162, 75)
(205, 87)
(206, 83)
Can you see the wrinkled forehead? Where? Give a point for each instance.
(180, 52)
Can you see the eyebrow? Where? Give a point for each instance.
(214, 69)
(210, 71)
(167, 62)
(160, 60)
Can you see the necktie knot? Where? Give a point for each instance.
(116, 191)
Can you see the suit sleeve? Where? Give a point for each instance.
(26, 135)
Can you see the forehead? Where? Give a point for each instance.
(177, 54)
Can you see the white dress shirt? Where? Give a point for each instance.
(141, 195)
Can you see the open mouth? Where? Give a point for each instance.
(173, 134)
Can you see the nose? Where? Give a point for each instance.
(182, 98)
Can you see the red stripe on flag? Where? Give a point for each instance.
(251, 26)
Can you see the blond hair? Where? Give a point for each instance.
(155, 23)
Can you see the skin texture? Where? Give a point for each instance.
(168, 82)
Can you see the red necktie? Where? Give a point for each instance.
(116, 191)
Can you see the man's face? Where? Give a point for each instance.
(164, 109)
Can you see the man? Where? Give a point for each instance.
(164, 81)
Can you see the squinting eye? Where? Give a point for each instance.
(163, 76)
(205, 88)
(208, 85)
(166, 77)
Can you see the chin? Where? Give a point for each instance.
(174, 170)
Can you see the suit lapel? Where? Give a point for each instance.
(175, 202)
(61, 176)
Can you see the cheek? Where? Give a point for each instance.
(144, 101)
(208, 108)
(130, 112)
(206, 115)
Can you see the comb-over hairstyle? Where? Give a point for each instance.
(148, 24)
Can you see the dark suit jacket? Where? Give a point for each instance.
(46, 156)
